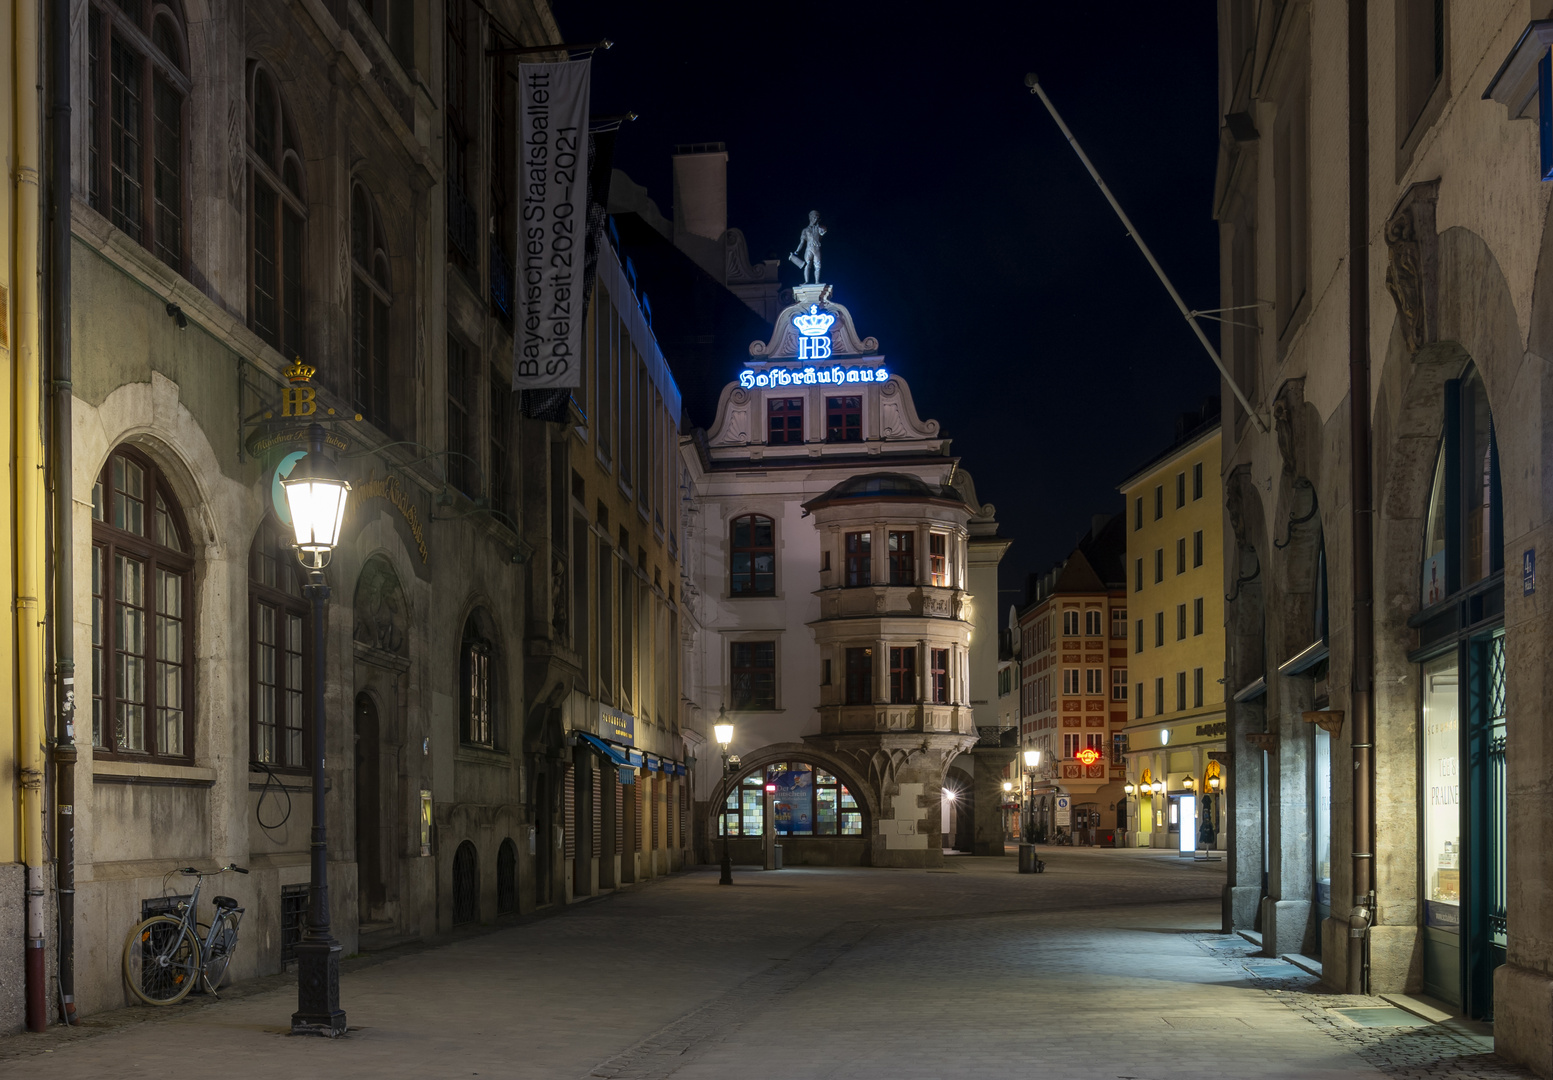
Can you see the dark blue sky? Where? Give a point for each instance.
(964, 233)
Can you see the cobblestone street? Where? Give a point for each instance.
(1108, 966)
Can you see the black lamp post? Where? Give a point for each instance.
(723, 732)
(315, 495)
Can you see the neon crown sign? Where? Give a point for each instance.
(813, 344)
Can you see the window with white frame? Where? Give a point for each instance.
(1094, 680)
(1119, 684)
(1070, 681)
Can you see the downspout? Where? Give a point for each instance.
(62, 464)
(1361, 703)
(27, 452)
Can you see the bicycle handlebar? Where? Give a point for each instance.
(193, 872)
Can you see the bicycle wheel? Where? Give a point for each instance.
(161, 960)
(221, 950)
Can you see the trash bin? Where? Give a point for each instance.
(776, 856)
(1029, 861)
(1107, 837)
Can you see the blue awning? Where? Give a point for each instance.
(633, 757)
(654, 763)
(613, 753)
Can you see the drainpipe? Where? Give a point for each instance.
(1361, 703)
(62, 464)
(26, 404)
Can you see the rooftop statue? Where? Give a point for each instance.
(809, 247)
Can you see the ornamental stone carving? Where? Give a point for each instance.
(379, 607)
(1412, 264)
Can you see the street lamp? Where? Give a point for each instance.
(315, 495)
(722, 731)
(1032, 762)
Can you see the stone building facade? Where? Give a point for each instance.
(265, 182)
(831, 542)
(1381, 201)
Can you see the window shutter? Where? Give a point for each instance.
(569, 800)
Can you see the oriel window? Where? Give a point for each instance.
(938, 559)
(903, 558)
(859, 555)
(940, 675)
(860, 676)
(136, 90)
(903, 675)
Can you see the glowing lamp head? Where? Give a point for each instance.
(315, 495)
(1164, 737)
(1213, 783)
(722, 730)
(1188, 782)
(1032, 759)
(1128, 788)
(1008, 785)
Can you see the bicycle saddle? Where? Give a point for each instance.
(224, 902)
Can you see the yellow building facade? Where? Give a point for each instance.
(1175, 736)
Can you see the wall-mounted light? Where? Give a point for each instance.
(175, 313)
(1128, 788)
(1213, 783)
(1188, 782)
(1164, 736)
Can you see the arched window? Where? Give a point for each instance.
(1464, 531)
(142, 612)
(478, 683)
(809, 801)
(276, 214)
(136, 85)
(369, 310)
(752, 556)
(279, 629)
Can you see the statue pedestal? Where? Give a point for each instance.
(811, 294)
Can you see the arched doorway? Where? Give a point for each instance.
(466, 884)
(369, 822)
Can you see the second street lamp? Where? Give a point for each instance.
(315, 495)
(723, 732)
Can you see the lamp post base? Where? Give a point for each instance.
(318, 990)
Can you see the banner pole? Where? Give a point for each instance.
(1190, 316)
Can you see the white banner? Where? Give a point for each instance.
(552, 225)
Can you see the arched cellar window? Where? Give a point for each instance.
(808, 801)
(278, 655)
(507, 877)
(370, 298)
(277, 212)
(142, 612)
(466, 884)
(752, 555)
(136, 88)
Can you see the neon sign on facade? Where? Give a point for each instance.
(814, 344)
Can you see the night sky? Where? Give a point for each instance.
(964, 233)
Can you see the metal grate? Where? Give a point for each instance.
(293, 918)
(466, 884)
(620, 818)
(1498, 885)
(569, 812)
(597, 806)
(507, 878)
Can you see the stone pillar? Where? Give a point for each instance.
(988, 778)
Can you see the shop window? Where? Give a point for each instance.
(844, 419)
(1118, 684)
(938, 559)
(280, 628)
(136, 90)
(752, 556)
(784, 421)
(940, 674)
(860, 676)
(903, 558)
(807, 801)
(142, 613)
(859, 552)
(277, 212)
(903, 675)
(752, 668)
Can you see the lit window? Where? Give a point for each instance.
(938, 559)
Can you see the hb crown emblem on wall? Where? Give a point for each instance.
(299, 399)
(814, 325)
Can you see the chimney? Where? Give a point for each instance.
(701, 203)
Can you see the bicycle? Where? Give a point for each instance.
(166, 955)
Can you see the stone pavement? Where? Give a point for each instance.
(1106, 967)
